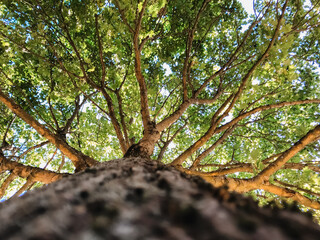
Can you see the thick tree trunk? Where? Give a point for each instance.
(136, 198)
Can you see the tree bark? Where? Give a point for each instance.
(135, 198)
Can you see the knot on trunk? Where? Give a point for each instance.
(136, 150)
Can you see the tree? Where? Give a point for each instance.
(197, 85)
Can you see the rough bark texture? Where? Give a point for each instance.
(135, 198)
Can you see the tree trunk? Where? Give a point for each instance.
(135, 198)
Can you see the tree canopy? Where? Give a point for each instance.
(199, 85)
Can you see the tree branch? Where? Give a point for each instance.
(80, 160)
(310, 137)
(122, 120)
(264, 108)
(257, 63)
(166, 143)
(101, 88)
(296, 187)
(103, 71)
(167, 122)
(6, 183)
(37, 174)
(138, 72)
(24, 188)
(301, 166)
(189, 47)
(6, 132)
(123, 17)
(244, 185)
(231, 59)
(32, 148)
(114, 120)
(287, 193)
(213, 146)
(200, 142)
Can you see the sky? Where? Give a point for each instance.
(248, 5)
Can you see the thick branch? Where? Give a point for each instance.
(6, 183)
(244, 185)
(310, 137)
(287, 193)
(225, 169)
(167, 122)
(138, 72)
(37, 174)
(80, 160)
(301, 166)
(114, 120)
(296, 188)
